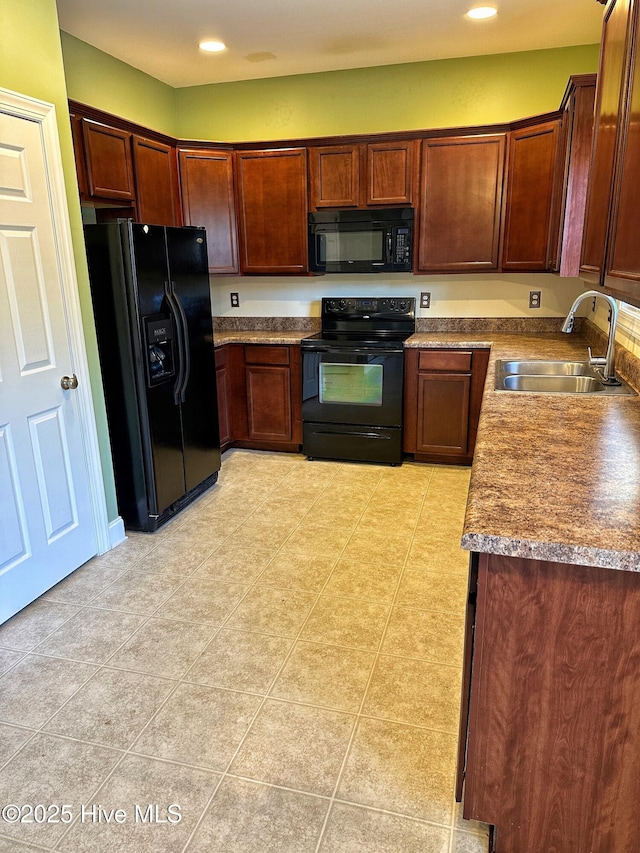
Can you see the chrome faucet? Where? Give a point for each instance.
(608, 361)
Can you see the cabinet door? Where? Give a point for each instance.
(623, 258)
(156, 182)
(78, 151)
(443, 412)
(530, 184)
(335, 176)
(207, 200)
(391, 174)
(223, 390)
(608, 100)
(575, 147)
(268, 402)
(461, 201)
(109, 163)
(272, 210)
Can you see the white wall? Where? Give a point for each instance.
(486, 295)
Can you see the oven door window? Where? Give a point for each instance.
(351, 384)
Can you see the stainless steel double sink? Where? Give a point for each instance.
(555, 377)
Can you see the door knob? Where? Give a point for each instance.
(68, 383)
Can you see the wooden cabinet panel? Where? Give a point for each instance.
(530, 185)
(335, 176)
(611, 72)
(450, 359)
(223, 386)
(461, 203)
(575, 150)
(391, 172)
(268, 403)
(555, 707)
(363, 174)
(109, 161)
(623, 257)
(208, 200)
(442, 398)
(78, 152)
(156, 182)
(272, 210)
(443, 404)
(266, 354)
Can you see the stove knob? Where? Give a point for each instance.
(331, 305)
(392, 304)
(403, 305)
(343, 304)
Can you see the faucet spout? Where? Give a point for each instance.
(608, 361)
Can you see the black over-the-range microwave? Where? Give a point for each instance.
(347, 241)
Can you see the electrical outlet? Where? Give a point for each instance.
(235, 300)
(534, 298)
(425, 300)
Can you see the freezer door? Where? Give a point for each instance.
(149, 278)
(189, 277)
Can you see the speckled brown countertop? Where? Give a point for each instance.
(554, 477)
(259, 337)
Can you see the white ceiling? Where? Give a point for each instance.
(161, 37)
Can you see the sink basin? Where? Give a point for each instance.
(548, 368)
(557, 384)
(554, 377)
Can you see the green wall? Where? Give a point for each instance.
(31, 64)
(98, 79)
(444, 93)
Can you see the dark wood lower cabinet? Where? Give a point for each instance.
(259, 396)
(554, 716)
(443, 393)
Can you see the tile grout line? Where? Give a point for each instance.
(359, 714)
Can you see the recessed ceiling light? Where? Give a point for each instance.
(212, 46)
(482, 12)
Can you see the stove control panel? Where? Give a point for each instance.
(366, 306)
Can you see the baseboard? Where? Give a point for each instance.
(116, 532)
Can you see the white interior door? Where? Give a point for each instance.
(48, 493)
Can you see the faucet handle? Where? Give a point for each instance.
(596, 359)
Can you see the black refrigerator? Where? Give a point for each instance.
(152, 308)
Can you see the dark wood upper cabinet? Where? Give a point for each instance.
(335, 176)
(622, 270)
(391, 172)
(156, 176)
(461, 202)
(78, 152)
(272, 210)
(529, 197)
(108, 160)
(614, 50)
(576, 134)
(208, 199)
(373, 174)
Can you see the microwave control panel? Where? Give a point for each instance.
(402, 254)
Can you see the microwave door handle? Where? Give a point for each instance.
(389, 247)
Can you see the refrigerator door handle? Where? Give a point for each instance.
(177, 322)
(186, 353)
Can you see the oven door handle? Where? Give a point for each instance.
(348, 350)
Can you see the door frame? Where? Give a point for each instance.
(44, 114)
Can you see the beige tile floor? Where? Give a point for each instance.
(282, 662)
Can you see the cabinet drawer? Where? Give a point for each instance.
(262, 354)
(458, 360)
